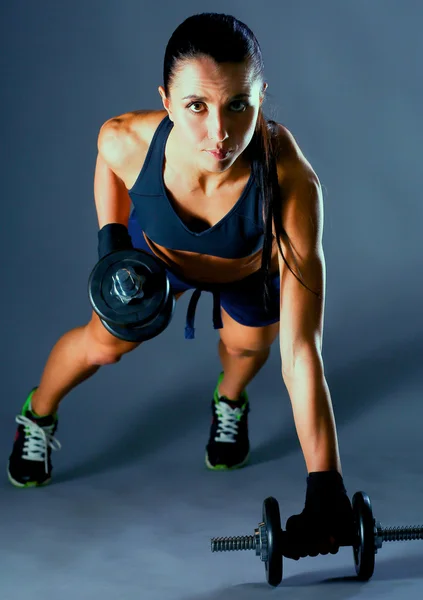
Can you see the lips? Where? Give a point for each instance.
(219, 153)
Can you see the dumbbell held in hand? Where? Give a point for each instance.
(371, 535)
(130, 291)
(266, 541)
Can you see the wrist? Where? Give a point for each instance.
(322, 486)
(113, 237)
(321, 451)
(328, 478)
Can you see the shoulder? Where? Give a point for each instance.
(300, 186)
(291, 162)
(125, 138)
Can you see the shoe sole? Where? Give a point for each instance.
(224, 467)
(29, 484)
(211, 467)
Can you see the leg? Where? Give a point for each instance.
(77, 355)
(243, 351)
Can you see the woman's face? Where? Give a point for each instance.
(214, 107)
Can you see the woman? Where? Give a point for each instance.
(228, 202)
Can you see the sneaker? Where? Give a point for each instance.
(228, 446)
(30, 460)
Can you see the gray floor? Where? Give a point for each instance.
(131, 510)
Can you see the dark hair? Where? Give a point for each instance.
(226, 39)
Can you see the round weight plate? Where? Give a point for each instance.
(148, 331)
(272, 522)
(364, 547)
(139, 311)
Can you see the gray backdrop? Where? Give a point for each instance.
(132, 508)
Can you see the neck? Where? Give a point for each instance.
(197, 178)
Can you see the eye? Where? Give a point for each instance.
(194, 104)
(243, 106)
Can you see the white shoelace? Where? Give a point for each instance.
(37, 440)
(228, 422)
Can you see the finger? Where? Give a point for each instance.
(328, 546)
(294, 523)
(292, 553)
(324, 549)
(324, 545)
(301, 550)
(333, 545)
(293, 556)
(312, 549)
(334, 549)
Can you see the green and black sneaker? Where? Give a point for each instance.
(228, 446)
(30, 461)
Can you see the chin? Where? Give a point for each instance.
(220, 166)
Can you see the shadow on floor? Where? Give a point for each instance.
(161, 423)
(328, 584)
(353, 389)
(155, 426)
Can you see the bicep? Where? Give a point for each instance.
(112, 201)
(302, 295)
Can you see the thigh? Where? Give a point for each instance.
(246, 324)
(242, 339)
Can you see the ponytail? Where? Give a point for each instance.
(265, 153)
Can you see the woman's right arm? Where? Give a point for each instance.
(112, 200)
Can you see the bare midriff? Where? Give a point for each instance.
(205, 268)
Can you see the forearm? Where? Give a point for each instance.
(313, 414)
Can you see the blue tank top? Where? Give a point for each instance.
(237, 235)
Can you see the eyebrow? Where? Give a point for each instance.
(202, 98)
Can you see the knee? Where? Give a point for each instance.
(101, 356)
(243, 352)
(102, 348)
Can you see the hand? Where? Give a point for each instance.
(326, 522)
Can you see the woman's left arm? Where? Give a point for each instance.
(302, 318)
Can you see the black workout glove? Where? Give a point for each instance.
(113, 237)
(326, 522)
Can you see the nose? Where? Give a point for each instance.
(217, 128)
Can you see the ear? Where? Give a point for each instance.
(263, 92)
(165, 100)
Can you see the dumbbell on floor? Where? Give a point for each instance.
(268, 539)
(371, 535)
(131, 293)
